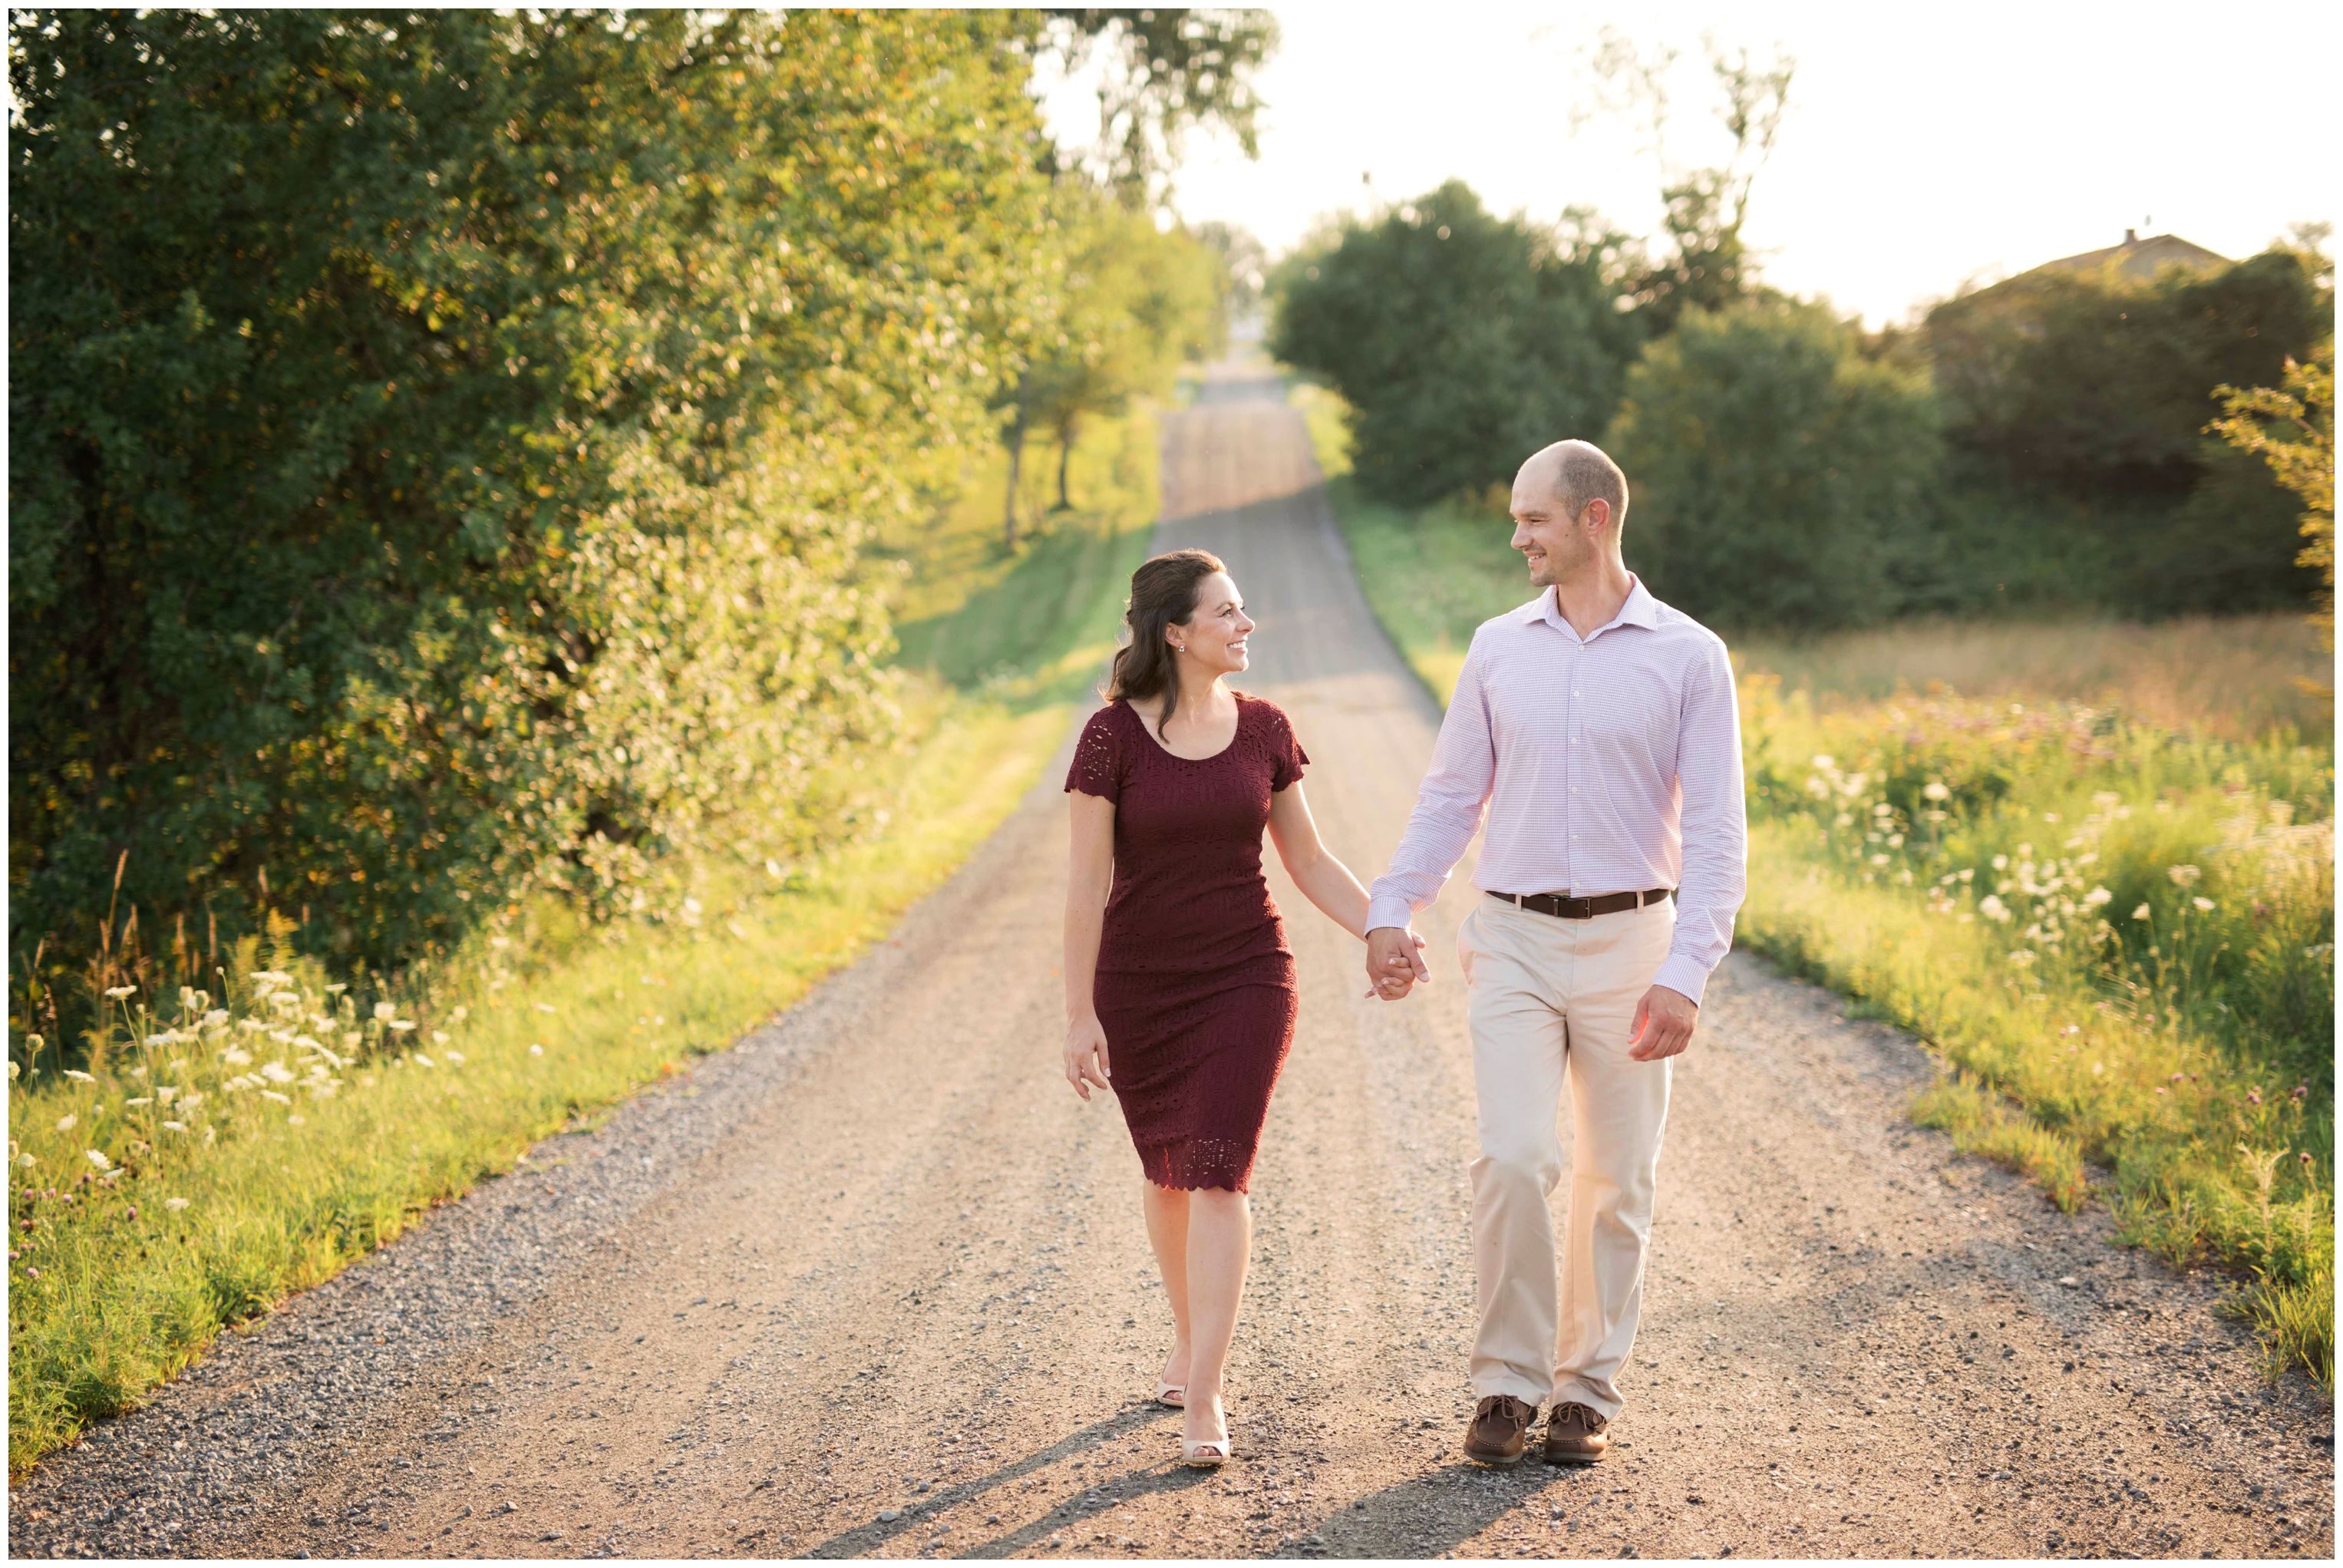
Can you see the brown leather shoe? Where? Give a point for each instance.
(1500, 1433)
(1574, 1435)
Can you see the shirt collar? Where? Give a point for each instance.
(1640, 609)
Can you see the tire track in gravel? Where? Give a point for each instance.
(873, 1283)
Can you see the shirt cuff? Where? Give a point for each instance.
(1680, 973)
(1391, 910)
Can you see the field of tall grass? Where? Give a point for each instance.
(210, 1150)
(2090, 864)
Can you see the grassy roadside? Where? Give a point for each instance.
(228, 1149)
(2106, 906)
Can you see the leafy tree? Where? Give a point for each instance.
(442, 439)
(1160, 74)
(2291, 427)
(2094, 383)
(1777, 476)
(1130, 303)
(1705, 264)
(1462, 341)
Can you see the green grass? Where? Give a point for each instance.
(1968, 867)
(366, 1122)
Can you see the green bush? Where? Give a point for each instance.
(1778, 478)
(442, 439)
(1464, 342)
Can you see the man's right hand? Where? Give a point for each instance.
(1394, 963)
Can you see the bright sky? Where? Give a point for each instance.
(1924, 144)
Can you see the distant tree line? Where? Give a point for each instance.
(2045, 442)
(442, 440)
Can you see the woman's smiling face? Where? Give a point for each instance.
(1214, 636)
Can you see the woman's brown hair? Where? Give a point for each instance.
(1162, 594)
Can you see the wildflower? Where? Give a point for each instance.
(141, 1100)
(237, 1056)
(1993, 909)
(174, 1204)
(189, 1102)
(2254, 1095)
(272, 1094)
(2183, 876)
(453, 1055)
(295, 1119)
(337, 988)
(2001, 862)
(537, 1050)
(118, 992)
(1879, 860)
(548, 1007)
(1842, 820)
(383, 1012)
(2096, 897)
(1968, 873)
(99, 1159)
(27, 1160)
(439, 1037)
(1934, 790)
(1823, 760)
(2021, 956)
(2071, 1029)
(174, 1126)
(2103, 799)
(276, 1072)
(78, 1076)
(2140, 913)
(402, 1024)
(422, 1060)
(66, 1122)
(2206, 904)
(11, 1070)
(2299, 1090)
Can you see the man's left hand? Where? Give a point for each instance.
(1664, 1020)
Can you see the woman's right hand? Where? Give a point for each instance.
(1086, 1055)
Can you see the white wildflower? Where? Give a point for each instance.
(2202, 903)
(65, 1123)
(383, 1012)
(1993, 909)
(99, 1159)
(2096, 896)
(1934, 790)
(78, 1076)
(272, 1094)
(276, 1072)
(402, 1024)
(118, 992)
(2183, 876)
(2021, 958)
(453, 1055)
(537, 1050)
(174, 1204)
(174, 1126)
(2140, 913)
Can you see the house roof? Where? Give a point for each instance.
(2141, 258)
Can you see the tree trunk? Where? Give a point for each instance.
(1065, 459)
(1016, 464)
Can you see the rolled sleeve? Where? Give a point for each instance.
(1448, 806)
(1716, 826)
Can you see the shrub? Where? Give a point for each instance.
(1777, 476)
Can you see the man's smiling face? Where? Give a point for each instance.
(1552, 537)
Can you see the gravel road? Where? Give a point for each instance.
(873, 1283)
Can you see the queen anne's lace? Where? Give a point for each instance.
(1195, 983)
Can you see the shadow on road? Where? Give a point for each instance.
(865, 1540)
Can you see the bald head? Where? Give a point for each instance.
(1575, 473)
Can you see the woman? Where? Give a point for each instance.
(1180, 987)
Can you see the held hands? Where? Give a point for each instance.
(1086, 1055)
(1395, 963)
(1664, 1023)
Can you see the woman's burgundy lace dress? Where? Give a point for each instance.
(1195, 983)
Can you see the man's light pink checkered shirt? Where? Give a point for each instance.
(1606, 764)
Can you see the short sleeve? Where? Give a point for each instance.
(1288, 760)
(1097, 768)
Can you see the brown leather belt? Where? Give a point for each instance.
(1570, 908)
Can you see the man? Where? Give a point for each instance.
(1598, 726)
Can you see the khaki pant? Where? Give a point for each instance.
(1546, 995)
